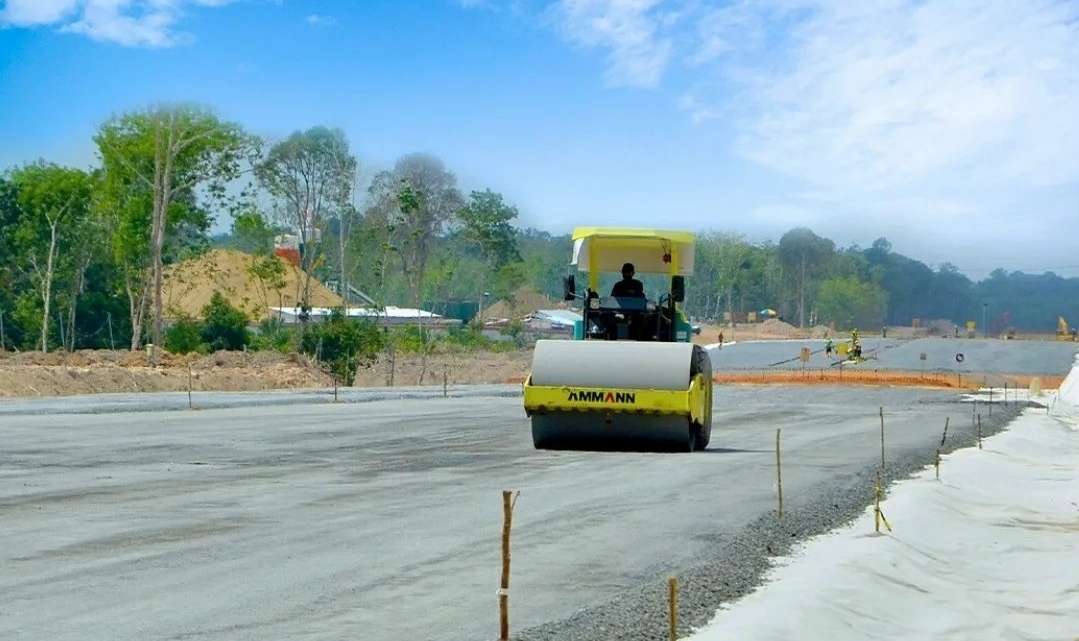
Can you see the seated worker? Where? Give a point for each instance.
(628, 287)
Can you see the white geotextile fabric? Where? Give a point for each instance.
(989, 552)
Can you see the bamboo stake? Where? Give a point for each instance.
(779, 476)
(882, 438)
(945, 434)
(672, 607)
(878, 514)
(509, 499)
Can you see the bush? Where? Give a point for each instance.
(342, 344)
(184, 337)
(412, 339)
(273, 334)
(224, 326)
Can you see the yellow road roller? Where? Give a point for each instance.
(631, 379)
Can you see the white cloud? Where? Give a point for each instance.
(26, 13)
(132, 23)
(320, 20)
(631, 30)
(895, 94)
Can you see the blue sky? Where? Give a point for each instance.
(948, 127)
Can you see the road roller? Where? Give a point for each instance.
(631, 378)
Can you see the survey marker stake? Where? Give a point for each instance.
(672, 607)
(779, 476)
(878, 514)
(509, 500)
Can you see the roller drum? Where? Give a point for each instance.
(612, 364)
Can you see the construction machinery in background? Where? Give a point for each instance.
(1063, 331)
(631, 378)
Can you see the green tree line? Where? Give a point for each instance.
(83, 250)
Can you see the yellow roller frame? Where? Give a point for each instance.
(691, 402)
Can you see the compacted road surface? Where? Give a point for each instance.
(381, 520)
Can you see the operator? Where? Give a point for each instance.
(628, 287)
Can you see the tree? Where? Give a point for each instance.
(804, 255)
(54, 203)
(223, 326)
(171, 151)
(487, 225)
(849, 302)
(251, 233)
(413, 205)
(310, 174)
(729, 254)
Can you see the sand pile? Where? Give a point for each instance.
(524, 301)
(190, 284)
(779, 328)
(95, 371)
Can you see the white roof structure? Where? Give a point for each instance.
(390, 312)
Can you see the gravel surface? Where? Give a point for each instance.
(733, 566)
(381, 519)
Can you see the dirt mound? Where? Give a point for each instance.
(524, 301)
(777, 327)
(96, 371)
(99, 371)
(821, 331)
(190, 284)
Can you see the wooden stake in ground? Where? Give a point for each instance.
(672, 607)
(882, 438)
(878, 514)
(779, 476)
(189, 405)
(509, 499)
(936, 463)
(335, 388)
(979, 431)
(445, 382)
(945, 434)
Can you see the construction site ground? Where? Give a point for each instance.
(381, 519)
(90, 372)
(283, 514)
(101, 371)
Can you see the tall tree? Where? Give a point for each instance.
(172, 151)
(414, 203)
(804, 256)
(54, 202)
(731, 255)
(311, 175)
(487, 224)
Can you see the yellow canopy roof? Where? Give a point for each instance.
(652, 251)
